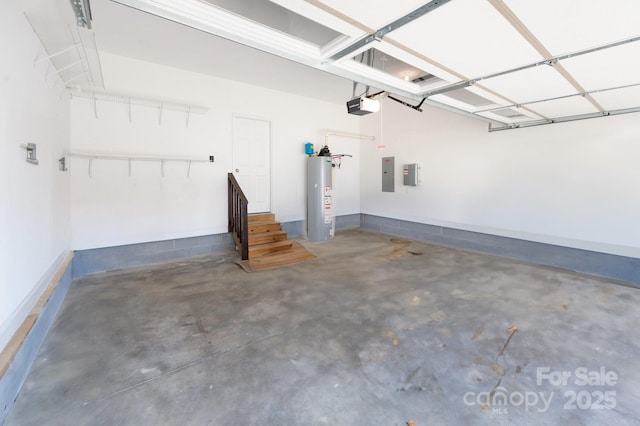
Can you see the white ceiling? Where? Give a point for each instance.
(130, 32)
(461, 42)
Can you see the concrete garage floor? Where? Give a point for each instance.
(376, 331)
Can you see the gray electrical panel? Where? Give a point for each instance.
(410, 174)
(320, 215)
(388, 182)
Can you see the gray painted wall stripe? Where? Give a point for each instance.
(621, 268)
(605, 265)
(118, 257)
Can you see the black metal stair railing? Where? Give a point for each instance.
(238, 216)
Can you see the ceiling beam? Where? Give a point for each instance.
(380, 33)
(322, 6)
(548, 62)
(572, 95)
(519, 26)
(564, 119)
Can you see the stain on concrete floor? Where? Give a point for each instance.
(367, 334)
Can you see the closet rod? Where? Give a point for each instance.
(134, 158)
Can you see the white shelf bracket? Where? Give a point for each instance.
(47, 71)
(58, 71)
(76, 77)
(95, 106)
(129, 99)
(49, 57)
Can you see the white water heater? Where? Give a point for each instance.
(320, 215)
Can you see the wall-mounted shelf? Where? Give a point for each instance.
(130, 99)
(131, 159)
(69, 52)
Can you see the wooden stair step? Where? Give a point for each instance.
(265, 249)
(262, 217)
(263, 226)
(266, 237)
(296, 254)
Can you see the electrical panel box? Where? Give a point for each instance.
(410, 174)
(388, 182)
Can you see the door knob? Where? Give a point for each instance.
(237, 170)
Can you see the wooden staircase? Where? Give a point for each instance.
(266, 236)
(269, 246)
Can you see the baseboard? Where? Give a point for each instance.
(119, 257)
(297, 228)
(18, 356)
(620, 268)
(348, 221)
(294, 228)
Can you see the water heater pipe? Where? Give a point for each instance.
(347, 135)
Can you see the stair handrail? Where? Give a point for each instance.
(238, 216)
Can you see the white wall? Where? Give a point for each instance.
(34, 207)
(110, 208)
(573, 184)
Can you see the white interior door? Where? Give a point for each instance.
(252, 161)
